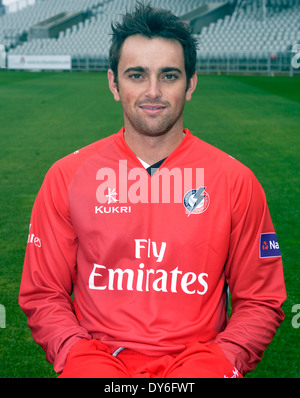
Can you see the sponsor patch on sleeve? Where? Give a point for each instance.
(268, 246)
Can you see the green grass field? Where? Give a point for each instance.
(45, 116)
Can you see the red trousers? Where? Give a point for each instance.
(93, 359)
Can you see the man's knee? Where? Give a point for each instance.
(91, 358)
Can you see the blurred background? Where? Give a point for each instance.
(244, 36)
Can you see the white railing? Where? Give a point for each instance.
(287, 63)
(249, 63)
(225, 63)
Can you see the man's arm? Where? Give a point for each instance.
(255, 280)
(50, 271)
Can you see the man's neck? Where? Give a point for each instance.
(153, 149)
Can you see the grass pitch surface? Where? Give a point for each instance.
(45, 116)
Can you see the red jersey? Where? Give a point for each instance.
(149, 258)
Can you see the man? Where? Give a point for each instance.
(150, 254)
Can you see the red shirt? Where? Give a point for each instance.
(149, 258)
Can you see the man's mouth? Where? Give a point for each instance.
(152, 107)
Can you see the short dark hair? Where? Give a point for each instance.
(153, 22)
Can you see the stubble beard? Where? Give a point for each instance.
(154, 126)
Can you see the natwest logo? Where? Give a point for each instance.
(269, 246)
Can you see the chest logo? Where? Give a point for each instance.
(196, 201)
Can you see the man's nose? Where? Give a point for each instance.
(153, 90)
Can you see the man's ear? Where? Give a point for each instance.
(191, 87)
(113, 85)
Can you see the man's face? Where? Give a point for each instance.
(152, 85)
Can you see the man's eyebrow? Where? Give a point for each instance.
(162, 70)
(171, 69)
(135, 69)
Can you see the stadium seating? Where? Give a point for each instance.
(15, 24)
(91, 37)
(247, 30)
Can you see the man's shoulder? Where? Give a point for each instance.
(82, 154)
(89, 150)
(66, 167)
(224, 167)
(219, 158)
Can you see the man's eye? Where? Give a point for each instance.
(135, 76)
(170, 76)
